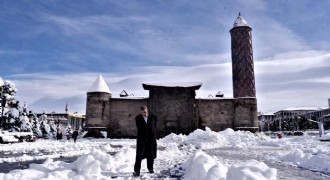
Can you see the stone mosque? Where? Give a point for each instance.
(175, 104)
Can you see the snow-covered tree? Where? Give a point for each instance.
(36, 125)
(44, 127)
(16, 117)
(69, 129)
(25, 124)
(9, 105)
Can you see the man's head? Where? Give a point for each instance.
(144, 110)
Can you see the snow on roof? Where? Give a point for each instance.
(129, 97)
(302, 109)
(240, 21)
(219, 93)
(1, 81)
(268, 113)
(214, 98)
(123, 93)
(99, 85)
(174, 84)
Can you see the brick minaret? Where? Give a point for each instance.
(242, 59)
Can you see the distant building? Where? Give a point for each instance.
(61, 120)
(265, 119)
(321, 115)
(175, 105)
(289, 117)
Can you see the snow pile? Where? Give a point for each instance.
(241, 139)
(251, 170)
(199, 139)
(209, 139)
(314, 159)
(178, 156)
(201, 166)
(173, 138)
(43, 149)
(304, 151)
(85, 167)
(96, 164)
(206, 139)
(124, 160)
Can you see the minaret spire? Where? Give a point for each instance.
(242, 59)
(240, 21)
(66, 108)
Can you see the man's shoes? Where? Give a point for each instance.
(151, 171)
(136, 174)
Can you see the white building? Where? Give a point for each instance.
(288, 119)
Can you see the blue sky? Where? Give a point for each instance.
(53, 50)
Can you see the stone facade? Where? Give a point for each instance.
(216, 113)
(122, 114)
(98, 109)
(177, 109)
(175, 105)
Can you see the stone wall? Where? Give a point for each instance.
(246, 114)
(122, 116)
(97, 109)
(175, 109)
(217, 114)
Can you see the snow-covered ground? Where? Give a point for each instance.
(201, 155)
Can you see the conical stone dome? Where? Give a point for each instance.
(99, 85)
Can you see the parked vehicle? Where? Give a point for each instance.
(13, 137)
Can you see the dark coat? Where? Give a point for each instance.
(75, 134)
(146, 145)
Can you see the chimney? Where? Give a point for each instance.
(329, 102)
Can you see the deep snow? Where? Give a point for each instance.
(179, 156)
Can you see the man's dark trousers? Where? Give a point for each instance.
(137, 166)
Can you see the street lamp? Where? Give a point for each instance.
(320, 125)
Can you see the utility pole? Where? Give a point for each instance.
(320, 125)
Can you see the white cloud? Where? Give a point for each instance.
(291, 62)
(272, 37)
(253, 4)
(293, 79)
(287, 71)
(38, 88)
(300, 90)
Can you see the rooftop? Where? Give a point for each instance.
(302, 109)
(195, 85)
(271, 113)
(99, 85)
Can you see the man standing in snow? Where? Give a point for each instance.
(75, 135)
(146, 146)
